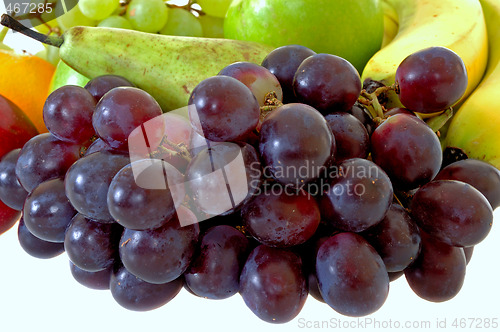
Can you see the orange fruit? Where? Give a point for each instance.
(25, 80)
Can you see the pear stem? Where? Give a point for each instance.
(13, 24)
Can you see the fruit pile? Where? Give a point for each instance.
(277, 180)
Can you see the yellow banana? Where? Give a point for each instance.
(456, 24)
(475, 128)
(391, 24)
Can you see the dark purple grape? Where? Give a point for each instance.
(161, 255)
(296, 144)
(281, 219)
(37, 247)
(314, 288)
(351, 137)
(468, 253)
(44, 157)
(135, 294)
(393, 276)
(67, 114)
(283, 63)
(357, 197)
(214, 273)
(479, 174)
(100, 85)
(431, 80)
(272, 284)
(453, 212)
(12, 193)
(327, 82)
(122, 110)
(398, 110)
(87, 182)
(223, 109)
(91, 245)
(94, 280)
(47, 211)
(407, 150)
(363, 115)
(351, 275)
(439, 271)
(396, 238)
(97, 146)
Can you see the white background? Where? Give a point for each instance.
(41, 295)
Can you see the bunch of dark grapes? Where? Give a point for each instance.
(275, 182)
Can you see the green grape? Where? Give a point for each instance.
(213, 27)
(217, 8)
(115, 22)
(72, 18)
(147, 15)
(98, 9)
(182, 23)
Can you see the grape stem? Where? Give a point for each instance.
(169, 147)
(271, 102)
(11, 23)
(370, 100)
(438, 121)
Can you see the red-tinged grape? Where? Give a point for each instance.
(407, 150)
(282, 219)
(439, 271)
(144, 194)
(351, 137)
(36, 247)
(94, 280)
(223, 109)
(8, 217)
(47, 211)
(396, 238)
(351, 275)
(314, 287)
(91, 245)
(363, 115)
(120, 111)
(11, 191)
(283, 63)
(468, 253)
(358, 196)
(101, 85)
(272, 284)
(44, 157)
(296, 144)
(479, 174)
(87, 183)
(67, 114)
(431, 80)
(393, 276)
(97, 146)
(257, 78)
(215, 271)
(135, 294)
(453, 212)
(398, 110)
(161, 255)
(327, 82)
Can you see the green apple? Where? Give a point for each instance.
(352, 29)
(65, 75)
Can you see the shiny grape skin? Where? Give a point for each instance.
(364, 116)
(87, 183)
(295, 138)
(94, 280)
(439, 271)
(215, 271)
(272, 284)
(47, 211)
(398, 110)
(407, 150)
(327, 82)
(479, 174)
(281, 219)
(92, 246)
(358, 196)
(431, 80)
(37, 247)
(351, 275)
(453, 212)
(100, 85)
(283, 63)
(396, 238)
(135, 294)
(122, 110)
(351, 137)
(12, 193)
(44, 157)
(314, 288)
(67, 114)
(97, 146)
(8, 217)
(161, 255)
(221, 109)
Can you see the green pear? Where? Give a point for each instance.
(65, 75)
